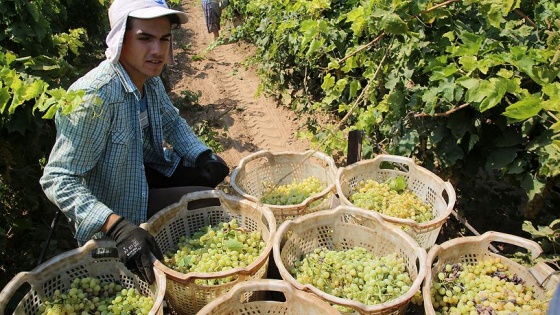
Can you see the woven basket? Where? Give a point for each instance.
(472, 249)
(282, 168)
(425, 184)
(342, 228)
(96, 258)
(296, 302)
(183, 293)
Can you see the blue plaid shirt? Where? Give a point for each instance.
(96, 166)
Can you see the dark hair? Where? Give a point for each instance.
(173, 18)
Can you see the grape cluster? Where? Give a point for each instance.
(487, 287)
(214, 249)
(90, 295)
(293, 193)
(384, 198)
(354, 274)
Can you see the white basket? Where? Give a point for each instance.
(96, 258)
(423, 183)
(283, 168)
(472, 249)
(295, 302)
(183, 293)
(342, 228)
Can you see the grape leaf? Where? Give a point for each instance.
(398, 183)
(233, 244)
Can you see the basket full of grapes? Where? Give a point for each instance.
(88, 280)
(289, 183)
(404, 193)
(351, 258)
(468, 275)
(210, 241)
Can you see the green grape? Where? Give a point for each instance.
(293, 193)
(396, 202)
(90, 295)
(214, 249)
(354, 274)
(486, 286)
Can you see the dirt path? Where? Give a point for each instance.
(228, 92)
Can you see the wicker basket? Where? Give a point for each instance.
(425, 184)
(296, 302)
(96, 258)
(183, 294)
(344, 228)
(283, 168)
(472, 249)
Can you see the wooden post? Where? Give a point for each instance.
(354, 147)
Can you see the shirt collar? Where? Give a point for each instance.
(125, 79)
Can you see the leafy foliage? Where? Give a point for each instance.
(465, 86)
(44, 45)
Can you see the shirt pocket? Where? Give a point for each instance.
(121, 136)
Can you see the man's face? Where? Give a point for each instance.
(145, 48)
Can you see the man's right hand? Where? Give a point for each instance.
(135, 246)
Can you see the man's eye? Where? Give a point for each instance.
(165, 39)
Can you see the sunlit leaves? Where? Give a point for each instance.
(524, 109)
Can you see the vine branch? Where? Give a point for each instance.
(375, 40)
(445, 114)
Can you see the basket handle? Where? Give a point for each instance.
(8, 291)
(243, 287)
(395, 159)
(485, 240)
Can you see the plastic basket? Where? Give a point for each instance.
(183, 294)
(346, 227)
(282, 168)
(96, 258)
(296, 302)
(425, 184)
(472, 249)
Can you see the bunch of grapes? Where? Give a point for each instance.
(90, 295)
(354, 274)
(214, 249)
(391, 200)
(487, 287)
(294, 193)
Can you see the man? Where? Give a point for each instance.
(125, 152)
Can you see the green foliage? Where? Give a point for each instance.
(44, 46)
(464, 86)
(548, 237)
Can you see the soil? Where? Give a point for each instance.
(228, 92)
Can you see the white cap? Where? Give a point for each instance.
(120, 10)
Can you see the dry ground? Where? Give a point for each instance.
(228, 92)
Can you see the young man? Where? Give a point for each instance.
(125, 153)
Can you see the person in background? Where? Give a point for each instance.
(212, 15)
(125, 152)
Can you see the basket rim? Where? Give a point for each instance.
(224, 199)
(268, 153)
(447, 187)
(405, 298)
(483, 241)
(267, 285)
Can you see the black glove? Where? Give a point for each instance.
(213, 169)
(134, 245)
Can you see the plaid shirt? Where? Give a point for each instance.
(96, 166)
